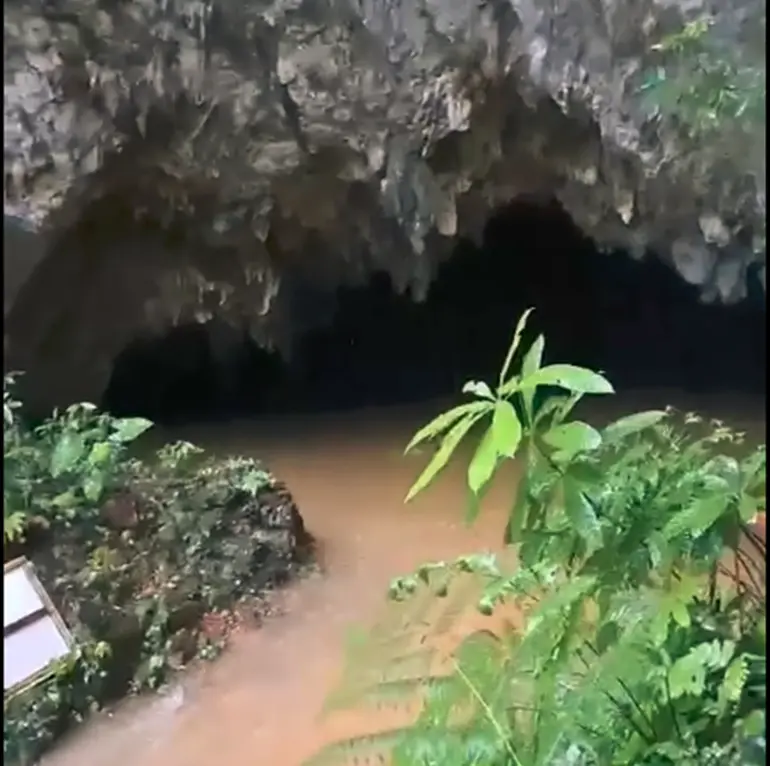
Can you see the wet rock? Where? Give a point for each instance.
(312, 143)
(730, 279)
(199, 543)
(693, 260)
(277, 510)
(23, 249)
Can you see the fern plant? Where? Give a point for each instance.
(639, 646)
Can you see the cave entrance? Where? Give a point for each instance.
(635, 320)
(174, 378)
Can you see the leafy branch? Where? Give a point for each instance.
(634, 650)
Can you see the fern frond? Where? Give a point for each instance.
(403, 694)
(463, 593)
(366, 750)
(403, 650)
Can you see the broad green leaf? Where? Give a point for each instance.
(473, 506)
(681, 615)
(674, 605)
(80, 408)
(608, 636)
(93, 486)
(632, 424)
(443, 454)
(534, 357)
(128, 429)
(697, 517)
(577, 379)
(441, 423)
(726, 468)
(748, 508)
(574, 437)
(581, 514)
(520, 327)
(687, 676)
(478, 388)
(585, 473)
(725, 653)
(100, 453)
(754, 724)
(475, 499)
(531, 364)
(550, 408)
(566, 405)
(518, 513)
(755, 471)
(64, 500)
(506, 429)
(68, 451)
(483, 463)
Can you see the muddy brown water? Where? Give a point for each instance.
(260, 704)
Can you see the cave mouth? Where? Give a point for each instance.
(636, 320)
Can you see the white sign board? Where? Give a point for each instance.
(34, 635)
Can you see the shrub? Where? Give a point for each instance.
(639, 644)
(60, 471)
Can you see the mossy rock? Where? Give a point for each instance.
(140, 573)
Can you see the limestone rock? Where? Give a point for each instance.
(302, 143)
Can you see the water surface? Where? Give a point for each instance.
(259, 704)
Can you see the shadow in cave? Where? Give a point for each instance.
(637, 321)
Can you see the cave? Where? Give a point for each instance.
(634, 319)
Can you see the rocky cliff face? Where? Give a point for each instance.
(301, 144)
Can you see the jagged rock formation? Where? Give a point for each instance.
(301, 144)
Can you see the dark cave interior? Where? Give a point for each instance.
(637, 321)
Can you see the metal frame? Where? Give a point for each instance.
(47, 610)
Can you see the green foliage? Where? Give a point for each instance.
(62, 470)
(136, 555)
(705, 82)
(640, 646)
(706, 85)
(33, 722)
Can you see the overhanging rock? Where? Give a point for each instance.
(307, 143)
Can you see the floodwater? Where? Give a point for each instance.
(260, 703)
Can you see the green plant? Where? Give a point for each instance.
(705, 84)
(639, 646)
(136, 555)
(705, 81)
(62, 469)
(32, 723)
